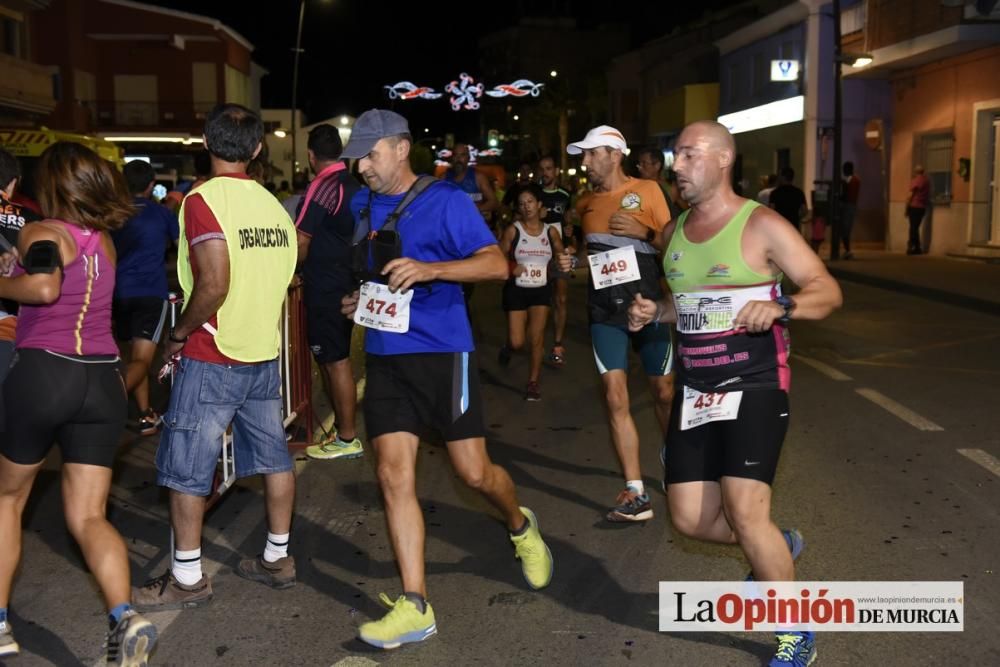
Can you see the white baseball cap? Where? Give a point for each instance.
(602, 135)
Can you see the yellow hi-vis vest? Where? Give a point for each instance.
(260, 238)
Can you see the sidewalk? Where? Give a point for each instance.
(973, 284)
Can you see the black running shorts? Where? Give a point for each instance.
(522, 298)
(77, 402)
(746, 447)
(430, 394)
(139, 317)
(327, 328)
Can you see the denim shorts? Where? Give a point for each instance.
(205, 399)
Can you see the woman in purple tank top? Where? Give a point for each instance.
(64, 385)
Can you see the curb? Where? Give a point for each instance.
(933, 294)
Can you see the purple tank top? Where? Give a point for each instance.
(79, 321)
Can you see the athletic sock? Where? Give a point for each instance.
(3, 614)
(115, 614)
(418, 600)
(636, 485)
(276, 547)
(187, 566)
(522, 530)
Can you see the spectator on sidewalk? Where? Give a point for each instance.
(788, 199)
(235, 262)
(140, 304)
(916, 208)
(768, 184)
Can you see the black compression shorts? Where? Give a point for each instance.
(746, 447)
(78, 402)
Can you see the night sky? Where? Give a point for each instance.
(345, 42)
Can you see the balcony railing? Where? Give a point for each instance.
(150, 115)
(853, 19)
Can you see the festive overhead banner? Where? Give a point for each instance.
(405, 90)
(464, 91)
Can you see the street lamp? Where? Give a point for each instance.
(839, 59)
(295, 84)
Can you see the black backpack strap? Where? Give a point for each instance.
(365, 221)
(422, 183)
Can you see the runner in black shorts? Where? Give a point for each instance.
(530, 246)
(725, 259)
(140, 304)
(325, 226)
(422, 373)
(65, 385)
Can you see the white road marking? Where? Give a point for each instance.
(355, 661)
(901, 411)
(825, 369)
(984, 459)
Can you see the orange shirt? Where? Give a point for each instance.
(640, 198)
(8, 326)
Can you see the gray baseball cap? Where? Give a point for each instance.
(371, 126)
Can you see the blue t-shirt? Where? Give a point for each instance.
(141, 245)
(440, 225)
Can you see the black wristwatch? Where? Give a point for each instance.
(788, 304)
(650, 235)
(174, 339)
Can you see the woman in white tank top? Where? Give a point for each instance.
(529, 245)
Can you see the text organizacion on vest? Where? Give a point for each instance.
(263, 237)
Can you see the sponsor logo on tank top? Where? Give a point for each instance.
(631, 202)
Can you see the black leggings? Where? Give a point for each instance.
(77, 401)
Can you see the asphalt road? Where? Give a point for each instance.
(885, 394)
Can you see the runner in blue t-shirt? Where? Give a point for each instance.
(140, 302)
(422, 375)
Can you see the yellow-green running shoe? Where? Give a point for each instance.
(335, 448)
(534, 554)
(403, 624)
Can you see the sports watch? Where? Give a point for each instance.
(788, 304)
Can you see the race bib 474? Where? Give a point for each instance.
(378, 308)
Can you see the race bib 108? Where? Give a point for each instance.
(534, 275)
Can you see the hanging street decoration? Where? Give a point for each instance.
(464, 91)
(405, 90)
(464, 95)
(444, 155)
(519, 88)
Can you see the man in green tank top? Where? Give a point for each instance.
(724, 261)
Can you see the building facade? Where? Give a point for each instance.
(939, 64)
(777, 82)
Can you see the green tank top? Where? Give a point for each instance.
(713, 263)
(710, 283)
